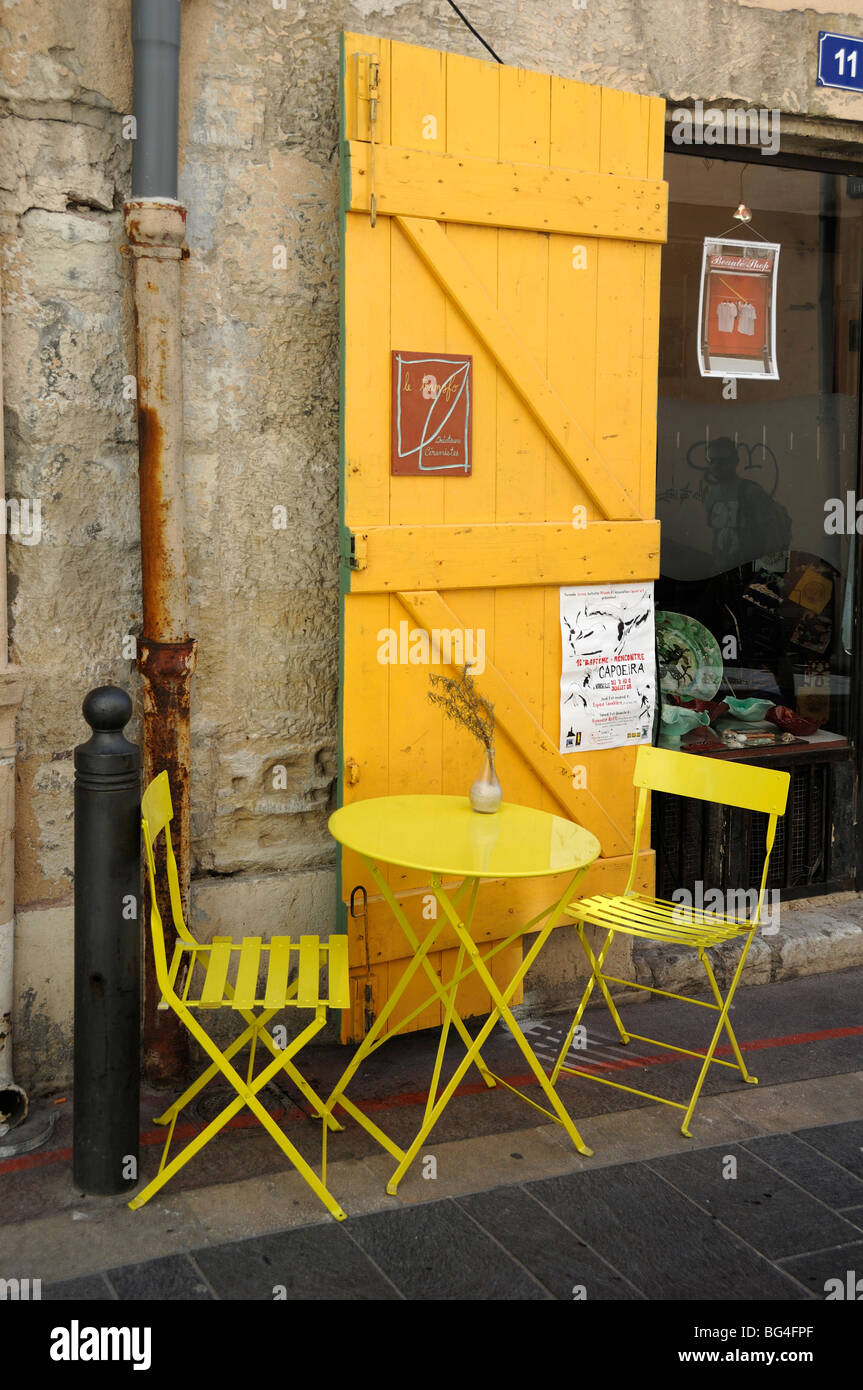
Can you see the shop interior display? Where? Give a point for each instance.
(697, 714)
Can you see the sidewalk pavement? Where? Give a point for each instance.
(765, 1202)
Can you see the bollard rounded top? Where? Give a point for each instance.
(107, 760)
(107, 708)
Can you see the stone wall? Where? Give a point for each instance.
(258, 170)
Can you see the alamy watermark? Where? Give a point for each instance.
(735, 904)
(77, 1343)
(20, 1290)
(21, 517)
(759, 127)
(413, 646)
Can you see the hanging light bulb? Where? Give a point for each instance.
(743, 213)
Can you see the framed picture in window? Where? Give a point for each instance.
(737, 309)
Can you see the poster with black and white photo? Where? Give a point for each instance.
(608, 677)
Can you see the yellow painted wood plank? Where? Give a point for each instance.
(504, 555)
(418, 317)
(472, 998)
(503, 193)
(650, 351)
(415, 737)
(619, 374)
(522, 299)
(417, 324)
(473, 96)
(531, 383)
(576, 111)
(338, 985)
(655, 138)
(419, 989)
(308, 977)
(649, 379)
(418, 102)
(367, 374)
(624, 134)
(516, 721)
(473, 124)
(277, 974)
(504, 965)
(525, 101)
(246, 987)
(213, 992)
(365, 714)
(572, 282)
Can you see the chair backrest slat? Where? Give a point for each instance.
(712, 779)
(157, 812)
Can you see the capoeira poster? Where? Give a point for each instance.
(608, 677)
(737, 309)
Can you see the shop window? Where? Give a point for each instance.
(757, 480)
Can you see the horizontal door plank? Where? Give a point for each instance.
(497, 193)
(390, 558)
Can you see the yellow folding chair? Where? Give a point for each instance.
(653, 919)
(211, 965)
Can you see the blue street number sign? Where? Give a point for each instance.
(840, 61)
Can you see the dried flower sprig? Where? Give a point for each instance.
(462, 702)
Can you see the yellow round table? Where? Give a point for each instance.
(443, 836)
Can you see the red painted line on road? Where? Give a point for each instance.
(408, 1098)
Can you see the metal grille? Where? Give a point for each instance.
(723, 847)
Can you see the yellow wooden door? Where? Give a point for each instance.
(515, 217)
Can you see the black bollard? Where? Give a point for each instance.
(107, 948)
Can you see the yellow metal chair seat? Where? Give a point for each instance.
(230, 974)
(655, 919)
(224, 958)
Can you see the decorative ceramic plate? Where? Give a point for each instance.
(690, 662)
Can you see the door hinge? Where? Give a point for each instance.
(352, 772)
(367, 86)
(358, 552)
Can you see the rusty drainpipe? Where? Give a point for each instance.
(155, 225)
(13, 1100)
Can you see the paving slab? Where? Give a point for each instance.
(173, 1278)
(435, 1251)
(563, 1264)
(90, 1288)
(815, 1270)
(776, 1217)
(316, 1263)
(665, 1245)
(841, 1142)
(809, 1168)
